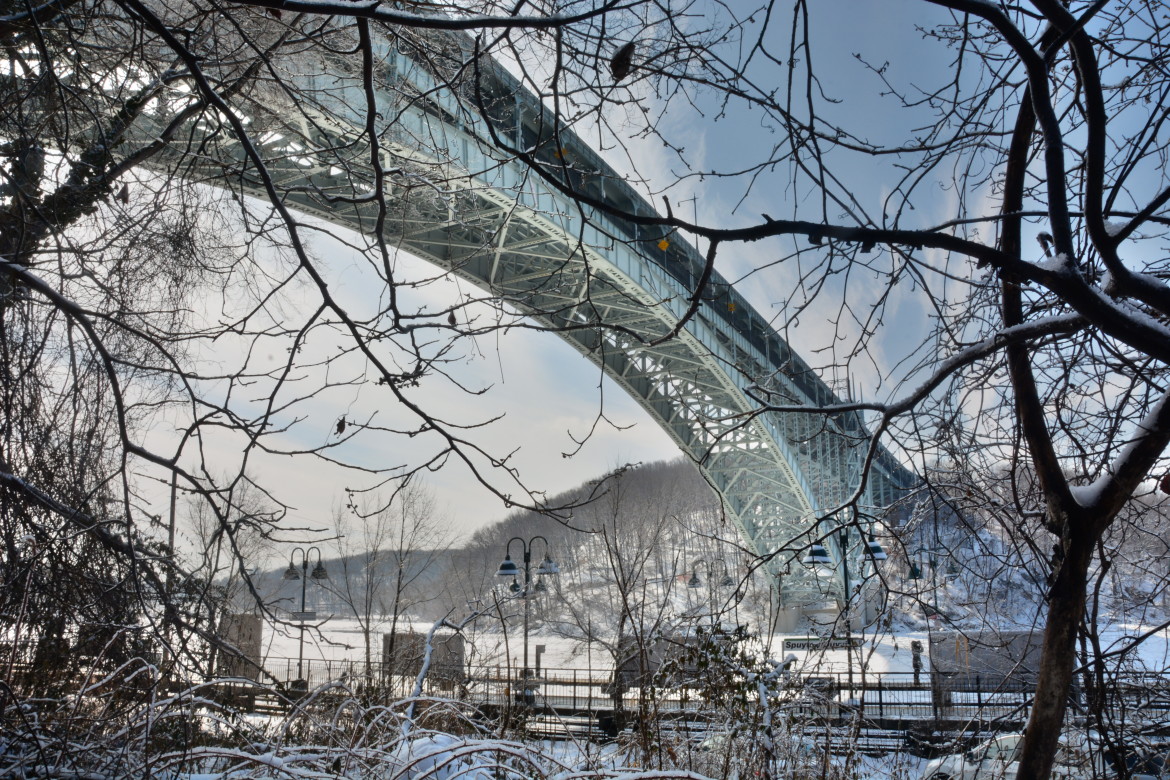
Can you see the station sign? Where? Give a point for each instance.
(822, 643)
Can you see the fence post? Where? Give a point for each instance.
(978, 697)
(935, 694)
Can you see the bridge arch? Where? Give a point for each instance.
(609, 287)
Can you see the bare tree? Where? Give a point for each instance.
(623, 583)
(388, 555)
(157, 332)
(93, 290)
(225, 558)
(1042, 270)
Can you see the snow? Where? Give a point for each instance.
(1113, 228)
(1057, 264)
(1092, 495)
(370, 743)
(340, 640)
(403, 741)
(441, 757)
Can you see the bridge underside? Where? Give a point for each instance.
(610, 288)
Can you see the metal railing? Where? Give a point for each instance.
(888, 701)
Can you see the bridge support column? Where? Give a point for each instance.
(787, 619)
(872, 602)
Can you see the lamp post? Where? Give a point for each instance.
(696, 582)
(509, 569)
(931, 609)
(318, 574)
(818, 556)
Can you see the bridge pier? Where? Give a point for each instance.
(787, 619)
(872, 602)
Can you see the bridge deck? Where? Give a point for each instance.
(613, 288)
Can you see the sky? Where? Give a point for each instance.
(546, 396)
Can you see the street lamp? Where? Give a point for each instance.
(318, 574)
(933, 561)
(509, 569)
(696, 582)
(817, 555)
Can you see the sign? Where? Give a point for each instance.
(822, 643)
(303, 616)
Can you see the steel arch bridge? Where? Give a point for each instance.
(607, 286)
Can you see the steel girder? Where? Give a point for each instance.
(610, 288)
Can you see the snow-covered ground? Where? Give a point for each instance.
(891, 652)
(339, 639)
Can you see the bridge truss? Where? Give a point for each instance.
(608, 287)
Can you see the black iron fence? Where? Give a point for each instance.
(574, 699)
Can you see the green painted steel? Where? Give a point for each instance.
(612, 289)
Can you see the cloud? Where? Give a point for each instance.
(533, 399)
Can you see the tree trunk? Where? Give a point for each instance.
(1066, 610)
(369, 672)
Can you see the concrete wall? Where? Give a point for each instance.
(242, 632)
(994, 657)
